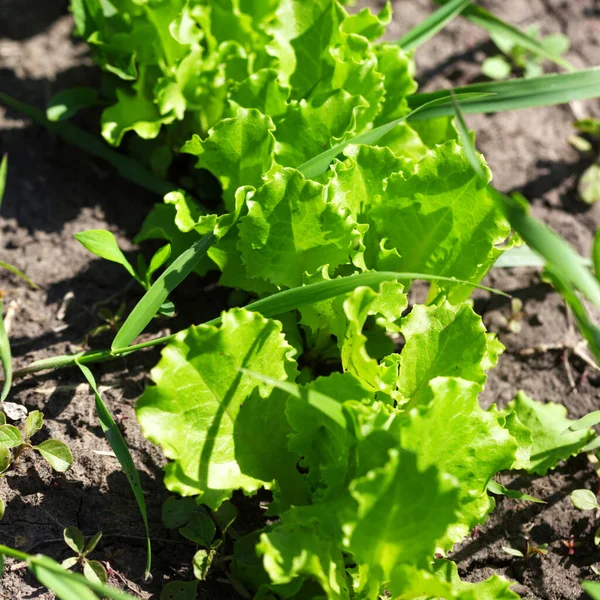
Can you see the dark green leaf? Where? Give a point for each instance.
(498, 489)
(121, 450)
(95, 572)
(435, 22)
(512, 95)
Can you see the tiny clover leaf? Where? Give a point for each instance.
(584, 500)
(57, 454)
(34, 422)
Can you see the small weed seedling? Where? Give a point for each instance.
(513, 321)
(13, 443)
(583, 500)
(93, 570)
(531, 550)
(589, 183)
(515, 57)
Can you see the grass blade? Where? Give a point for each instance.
(272, 306)
(19, 273)
(485, 19)
(555, 251)
(586, 422)
(3, 175)
(148, 306)
(125, 166)
(524, 256)
(119, 447)
(435, 22)
(319, 164)
(65, 584)
(513, 94)
(5, 357)
(592, 589)
(287, 300)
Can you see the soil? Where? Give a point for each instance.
(55, 190)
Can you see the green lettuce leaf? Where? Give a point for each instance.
(292, 229)
(441, 341)
(210, 417)
(548, 424)
(461, 439)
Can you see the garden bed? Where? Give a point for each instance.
(55, 191)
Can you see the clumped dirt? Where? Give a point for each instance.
(55, 191)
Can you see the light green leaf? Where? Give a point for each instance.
(5, 457)
(324, 443)
(584, 500)
(589, 184)
(296, 549)
(388, 304)
(74, 539)
(159, 259)
(3, 176)
(441, 220)
(68, 102)
(322, 122)
(592, 588)
(92, 542)
(445, 341)
(238, 151)
(454, 434)
(103, 243)
(33, 423)
(119, 447)
(262, 91)
(57, 454)
(496, 67)
(131, 113)
(210, 418)
(94, 571)
(291, 228)
(402, 510)
(201, 564)
(70, 562)
(513, 551)
(5, 357)
(548, 423)
(10, 436)
(495, 488)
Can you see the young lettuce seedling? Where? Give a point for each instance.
(93, 570)
(13, 443)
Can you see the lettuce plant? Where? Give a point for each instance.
(357, 410)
